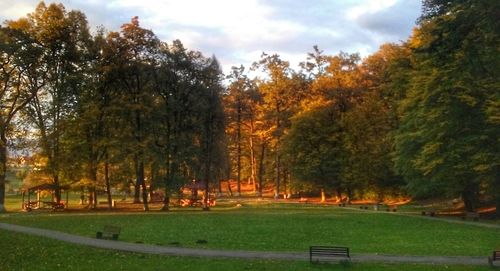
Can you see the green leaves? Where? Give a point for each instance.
(445, 125)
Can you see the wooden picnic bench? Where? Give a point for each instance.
(317, 253)
(108, 232)
(495, 257)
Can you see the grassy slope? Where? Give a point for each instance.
(283, 228)
(23, 252)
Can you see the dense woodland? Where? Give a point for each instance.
(101, 109)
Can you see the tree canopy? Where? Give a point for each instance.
(111, 110)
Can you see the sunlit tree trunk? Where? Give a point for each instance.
(277, 160)
(497, 192)
(261, 167)
(253, 161)
(238, 142)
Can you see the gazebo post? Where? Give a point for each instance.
(23, 205)
(38, 198)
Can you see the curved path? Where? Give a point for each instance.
(178, 251)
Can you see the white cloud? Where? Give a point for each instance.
(237, 31)
(367, 7)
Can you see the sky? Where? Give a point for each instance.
(238, 31)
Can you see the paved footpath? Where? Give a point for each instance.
(178, 251)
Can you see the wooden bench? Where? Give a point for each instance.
(471, 215)
(494, 257)
(317, 253)
(108, 232)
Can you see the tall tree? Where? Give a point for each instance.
(212, 148)
(21, 77)
(370, 123)
(335, 88)
(241, 113)
(138, 48)
(62, 37)
(176, 117)
(281, 93)
(446, 140)
(313, 147)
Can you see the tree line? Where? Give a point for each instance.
(116, 108)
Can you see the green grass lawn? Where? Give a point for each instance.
(24, 252)
(283, 227)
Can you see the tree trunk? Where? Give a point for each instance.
(137, 184)
(497, 192)
(108, 186)
(168, 181)
(470, 197)
(229, 188)
(94, 202)
(171, 150)
(339, 193)
(92, 175)
(285, 179)
(349, 194)
(142, 183)
(253, 163)
(261, 167)
(238, 155)
(277, 172)
(277, 152)
(57, 190)
(3, 169)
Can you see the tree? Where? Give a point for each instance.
(370, 123)
(20, 80)
(241, 113)
(336, 87)
(137, 48)
(91, 133)
(212, 149)
(281, 93)
(446, 141)
(313, 146)
(61, 37)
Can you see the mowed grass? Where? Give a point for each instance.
(24, 252)
(280, 227)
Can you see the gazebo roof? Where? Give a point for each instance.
(48, 186)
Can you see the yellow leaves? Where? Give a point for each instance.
(20, 24)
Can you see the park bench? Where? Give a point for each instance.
(108, 232)
(317, 253)
(494, 257)
(471, 215)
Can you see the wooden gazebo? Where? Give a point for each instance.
(28, 204)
